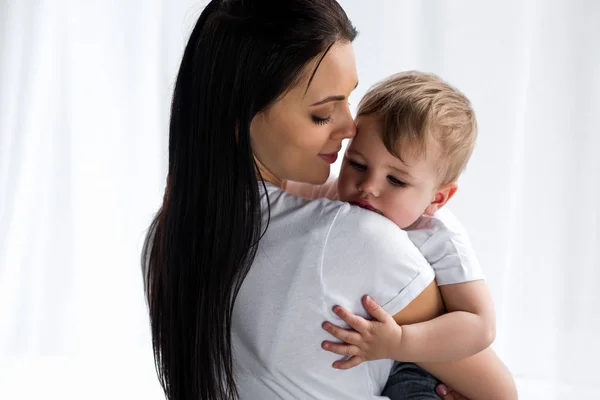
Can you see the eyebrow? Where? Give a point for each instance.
(332, 98)
(328, 99)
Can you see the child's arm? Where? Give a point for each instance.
(468, 328)
(470, 325)
(448, 337)
(482, 376)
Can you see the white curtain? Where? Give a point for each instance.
(84, 98)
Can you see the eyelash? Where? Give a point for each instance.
(321, 121)
(357, 166)
(396, 181)
(391, 179)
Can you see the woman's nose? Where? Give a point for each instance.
(351, 131)
(347, 128)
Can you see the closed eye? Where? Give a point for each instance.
(321, 121)
(396, 182)
(357, 166)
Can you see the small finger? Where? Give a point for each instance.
(345, 335)
(447, 393)
(357, 323)
(347, 350)
(375, 310)
(349, 363)
(441, 389)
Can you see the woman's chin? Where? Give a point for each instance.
(322, 177)
(314, 176)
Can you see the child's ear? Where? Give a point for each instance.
(441, 197)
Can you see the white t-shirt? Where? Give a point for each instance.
(314, 255)
(441, 238)
(446, 246)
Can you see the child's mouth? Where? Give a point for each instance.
(366, 205)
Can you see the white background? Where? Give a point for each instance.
(84, 97)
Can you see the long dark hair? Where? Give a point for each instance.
(241, 57)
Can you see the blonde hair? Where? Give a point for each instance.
(417, 110)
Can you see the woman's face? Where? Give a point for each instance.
(298, 137)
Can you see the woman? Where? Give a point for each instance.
(239, 274)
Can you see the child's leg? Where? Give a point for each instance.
(411, 382)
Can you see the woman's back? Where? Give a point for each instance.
(261, 94)
(315, 255)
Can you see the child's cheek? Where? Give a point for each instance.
(398, 214)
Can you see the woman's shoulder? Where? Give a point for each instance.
(357, 234)
(296, 210)
(358, 251)
(301, 195)
(355, 221)
(339, 218)
(365, 253)
(330, 211)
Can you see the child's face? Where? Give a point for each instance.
(373, 178)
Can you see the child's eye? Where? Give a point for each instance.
(396, 182)
(357, 166)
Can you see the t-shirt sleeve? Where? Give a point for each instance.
(366, 253)
(449, 250)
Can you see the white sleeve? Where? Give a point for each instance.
(366, 253)
(449, 250)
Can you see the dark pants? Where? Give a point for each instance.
(408, 381)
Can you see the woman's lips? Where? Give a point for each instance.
(330, 158)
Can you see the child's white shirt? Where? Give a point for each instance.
(441, 238)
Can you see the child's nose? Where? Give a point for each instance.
(368, 186)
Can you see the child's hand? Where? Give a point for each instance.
(368, 340)
(447, 393)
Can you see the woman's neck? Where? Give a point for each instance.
(267, 176)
